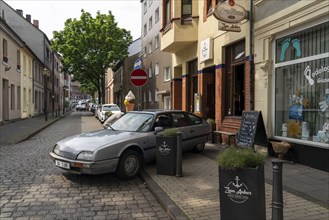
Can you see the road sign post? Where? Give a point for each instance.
(138, 77)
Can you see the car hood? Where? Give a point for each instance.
(94, 140)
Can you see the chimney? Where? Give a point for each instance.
(28, 18)
(19, 11)
(36, 23)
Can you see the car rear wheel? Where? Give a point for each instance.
(129, 165)
(199, 147)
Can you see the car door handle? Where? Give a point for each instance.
(192, 131)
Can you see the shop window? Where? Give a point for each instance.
(235, 79)
(302, 85)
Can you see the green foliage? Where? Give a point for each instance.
(108, 114)
(89, 46)
(210, 121)
(170, 132)
(237, 157)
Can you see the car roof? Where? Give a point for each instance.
(158, 111)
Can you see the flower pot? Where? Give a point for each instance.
(166, 155)
(280, 148)
(130, 107)
(242, 193)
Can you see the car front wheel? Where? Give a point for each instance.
(199, 147)
(129, 165)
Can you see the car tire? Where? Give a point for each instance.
(199, 147)
(129, 165)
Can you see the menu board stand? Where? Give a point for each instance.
(252, 130)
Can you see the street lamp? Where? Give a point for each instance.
(45, 75)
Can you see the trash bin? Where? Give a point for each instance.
(166, 155)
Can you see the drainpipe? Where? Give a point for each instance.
(251, 46)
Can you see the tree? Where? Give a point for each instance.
(89, 46)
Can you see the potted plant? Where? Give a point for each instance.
(211, 121)
(241, 184)
(166, 142)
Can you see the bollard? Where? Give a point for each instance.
(277, 194)
(179, 155)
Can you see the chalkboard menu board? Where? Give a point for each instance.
(252, 130)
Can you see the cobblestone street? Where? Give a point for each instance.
(31, 187)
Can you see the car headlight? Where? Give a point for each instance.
(56, 149)
(85, 155)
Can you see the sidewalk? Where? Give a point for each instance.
(195, 195)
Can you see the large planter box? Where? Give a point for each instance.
(242, 193)
(166, 155)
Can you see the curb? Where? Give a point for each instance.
(165, 201)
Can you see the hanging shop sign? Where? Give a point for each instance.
(229, 15)
(206, 50)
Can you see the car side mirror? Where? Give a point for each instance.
(158, 129)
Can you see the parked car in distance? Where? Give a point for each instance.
(113, 108)
(127, 143)
(81, 106)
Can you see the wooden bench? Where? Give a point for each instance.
(230, 135)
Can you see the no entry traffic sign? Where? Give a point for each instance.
(138, 77)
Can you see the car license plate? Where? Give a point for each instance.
(62, 164)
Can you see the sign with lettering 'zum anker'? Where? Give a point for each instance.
(229, 15)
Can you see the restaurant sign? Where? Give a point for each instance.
(229, 15)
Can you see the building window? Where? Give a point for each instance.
(187, 8)
(150, 71)
(156, 69)
(156, 16)
(209, 6)
(24, 100)
(166, 74)
(156, 99)
(157, 42)
(12, 97)
(18, 60)
(145, 6)
(144, 52)
(302, 85)
(235, 79)
(18, 100)
(150, 48)
(166, 102)
(150, 23)
(47, 53)
(167, 13)
(145, 30)
(4, 51)
(24, 65)
(150, 96)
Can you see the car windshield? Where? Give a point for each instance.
(111, 108)
(133, 122)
